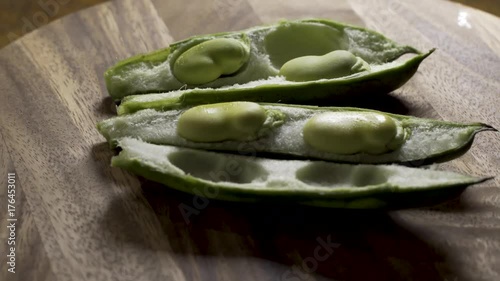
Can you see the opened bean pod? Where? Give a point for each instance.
(270, 63)
(330, 133)
(288, 181)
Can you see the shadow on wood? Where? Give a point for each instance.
(324, 243)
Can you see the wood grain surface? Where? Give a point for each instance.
(79, 219)
(19, 17)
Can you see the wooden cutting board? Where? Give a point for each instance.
(79, 219)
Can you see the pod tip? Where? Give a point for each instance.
(486, 127)
(429, 52)
(484, 179)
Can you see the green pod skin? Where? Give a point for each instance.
(249, 179)
(317, 92)
(269, 48)
(392, 139)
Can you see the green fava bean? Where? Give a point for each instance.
(220, 122)
(245, 65)
(209, 60)
(332, 65)
(274, 181)
(353, 132)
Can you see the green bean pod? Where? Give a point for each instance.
(270, 64)
(339, 134)
(249, 179)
